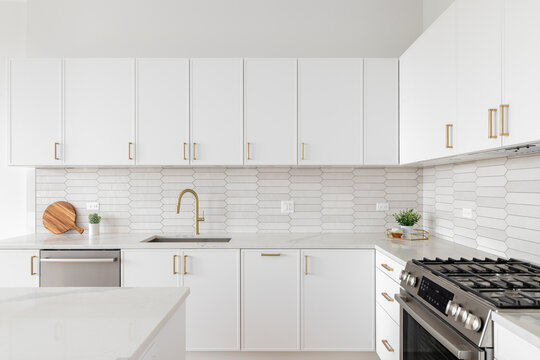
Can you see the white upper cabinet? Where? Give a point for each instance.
(479, 83)
(521, 74)
(217, 111)
(35, 109)
(162, 112)
(99, 106)
(270, 97)
(428, 92)
(381, 113)
(330, 111)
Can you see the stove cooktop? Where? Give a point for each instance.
(505, 283)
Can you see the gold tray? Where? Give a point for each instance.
(418, 234)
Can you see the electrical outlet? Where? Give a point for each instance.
(382, 207)
(467, 213)
(92, 206)
(287, 207)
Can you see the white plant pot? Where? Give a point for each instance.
(407, 229)
(93, 229)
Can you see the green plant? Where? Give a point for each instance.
(94, 218)
(407, 217)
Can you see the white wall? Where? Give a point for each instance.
(222, 28)
(433, 9)
(16, 184)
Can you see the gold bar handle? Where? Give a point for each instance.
(185, 264)
(387, 267)
(248, 151)
(490, 124)
(267, 254)
(184, 151)
(306, 265)
(194, 150)
(302, 152)
(387, 345)
(129, 151)
(448, 127)
(56, 151)
(502, 122)
(387, 297)
(174, 265)
(32, 272)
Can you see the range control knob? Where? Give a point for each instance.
(473, 322)
(461, 315)
(451, 308)
(403, 275)
(411, 281)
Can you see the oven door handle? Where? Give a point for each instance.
(451, 340)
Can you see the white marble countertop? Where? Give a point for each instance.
(83, 323)
(401, 250)
(525, 325)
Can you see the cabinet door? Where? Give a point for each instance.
(270, 111)
(162, 112)
(338, 300)
(270, 300)
(19, 268)
(150, 268)
(213, 306)
(99, 102)
(217, 111)
(428, 92)
(381, 121)
(521, 71)
(35, 110)
(479, 85)
(330, 111)
(387, 336)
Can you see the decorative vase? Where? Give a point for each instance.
(407, 229)
(93, 229)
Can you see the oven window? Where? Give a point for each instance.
(418, 344)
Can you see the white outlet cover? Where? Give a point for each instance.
(382, 207)
(92, 206)
(287, 206)
(467, 213)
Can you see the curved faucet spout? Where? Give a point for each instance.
(197, 218)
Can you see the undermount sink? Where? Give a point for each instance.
(167, 239)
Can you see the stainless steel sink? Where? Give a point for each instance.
(172, 239)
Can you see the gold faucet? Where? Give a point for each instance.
(197, 218)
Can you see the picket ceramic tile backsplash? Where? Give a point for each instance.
(234, 199)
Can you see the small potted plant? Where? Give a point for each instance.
(407, 219)
(94, 220)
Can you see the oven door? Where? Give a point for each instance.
(424, 336)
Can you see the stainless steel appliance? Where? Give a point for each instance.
(447, 305)
(80, 268)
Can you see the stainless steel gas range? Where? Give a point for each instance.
(447, 305)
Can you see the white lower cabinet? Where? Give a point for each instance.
(19, 268)
(510, 346)
(338, 300)
(150, 268)
(386, 289)
(387, 334)
(270, 300)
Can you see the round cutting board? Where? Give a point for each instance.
(60, 217)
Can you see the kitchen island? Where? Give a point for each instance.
(92, 323)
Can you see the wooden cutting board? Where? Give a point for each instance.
(60, 217)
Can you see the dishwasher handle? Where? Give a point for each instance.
(79, 260)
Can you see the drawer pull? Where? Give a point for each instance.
(267, 254)
(185, 265)
(32, 272)
(387, 345)
(387, 267)
(174, 265)
(387, 297)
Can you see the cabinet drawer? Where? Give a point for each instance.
(386, 288)
(389, 266)
(509, 346)
(387, 336)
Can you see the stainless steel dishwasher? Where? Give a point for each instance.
(82, 268)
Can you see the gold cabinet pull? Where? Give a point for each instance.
(490, 124)
(184, 151)
(185, 264)
(32, 272)
(306, 265)
(387, 267)
(56, 151)
(302, 151)
(270, 254)
(387, 345)
(194, 150)
(174, 265)
(129, 151)
(448, 128)
(248, 151)
(502, 122)
(387, 297)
